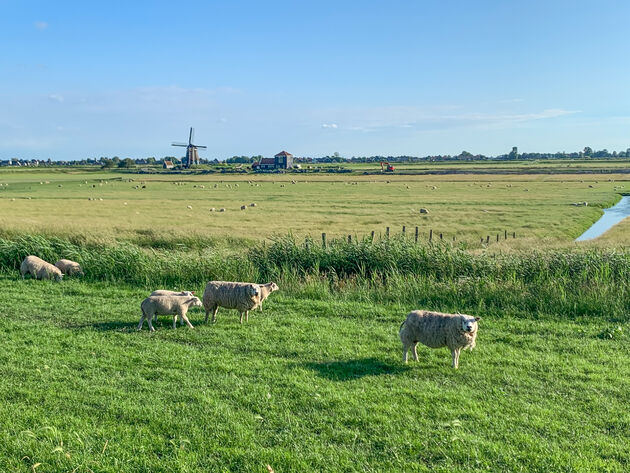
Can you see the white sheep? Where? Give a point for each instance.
(40, 269)
(69, 267)
(265, 290)
(231, 295)
(437, 329)
(166, 292)
(167, 305)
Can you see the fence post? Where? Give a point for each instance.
(416, 240)
(453, 237)
(513, 234)
(372, 235)
(404, 228)
(441, 237)
(505, 234)
(497, 237)
(482, 240)
(387, 232)
(487, 239)
(430, 234)
(349, 238)
(323, 240)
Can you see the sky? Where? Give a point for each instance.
(361, 78)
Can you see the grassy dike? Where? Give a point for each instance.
(315, 383)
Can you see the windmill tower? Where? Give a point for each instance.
(192, 157)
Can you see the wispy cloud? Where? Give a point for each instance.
(41, 25)
(56, 98)
(329, 125)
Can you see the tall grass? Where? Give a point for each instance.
(569, 282)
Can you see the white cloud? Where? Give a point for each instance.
(41, 25)
(329, 125)
(222, 120)
(56, 98)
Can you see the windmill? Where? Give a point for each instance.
(192, 157)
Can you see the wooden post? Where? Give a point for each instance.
(372, 235)
(505, 234)
(387, 232)
(453, 237)
(416, 240)
(323, 240)
(441, 237)
(430, 235)
(487, 239)
(349, 238)
(497, 237)
(482, 240)
(404, 228)
(513, 234)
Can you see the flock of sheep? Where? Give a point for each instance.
(434, 329)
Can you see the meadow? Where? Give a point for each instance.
(316, 381)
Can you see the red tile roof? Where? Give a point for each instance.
(283, 153)
(267, 161)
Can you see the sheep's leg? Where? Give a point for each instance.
(207, 315)
(455, 354)
(141, 321)
(414, 352)
(150, 324)
(405, 350)
(185, 319)
(174, 321)
(260, 306)
(241, 318)
(247, 316)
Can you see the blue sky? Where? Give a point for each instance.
(89, 79)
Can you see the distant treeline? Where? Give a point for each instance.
(116, 162)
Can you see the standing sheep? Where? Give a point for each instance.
(436, 329)
(167, 305)
(165, 292)
(40, 269)
(71, 268)
(265, 290)
(231, 295)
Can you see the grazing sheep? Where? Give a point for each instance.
(265, 290)
(221, 210)
(231, 295)
(243, 207)
(71, 268)
(167, 305)
(40, 269)
(436, 329)
(424, 211)
(253, 204)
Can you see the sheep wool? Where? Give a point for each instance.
(230, 295)
(71, 268)
(165, 292)
(40, 269)
(437, 329)
(167, 305)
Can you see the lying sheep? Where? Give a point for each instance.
(165, 292)
(71, 268)
(231, 295)
(167, 305)
(265, 290)
(436, 329)
(40, 269)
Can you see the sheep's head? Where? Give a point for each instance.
(273, 286)
(58, 276)
(194, 302)
(469, 323)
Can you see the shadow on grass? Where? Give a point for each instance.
(354, 369)
(112, 326)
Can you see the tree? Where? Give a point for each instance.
(514, 153)
(107, 163)
(127, 163)
(588, 151)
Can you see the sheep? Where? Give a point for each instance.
(165, 292)
(71, 268)
(437, 329)
(231, 295)
(424, 211)
(40, 269)
(265, 290)
(166, 305)
(243, 207)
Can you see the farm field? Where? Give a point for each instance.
(311, 384)
(178, 207)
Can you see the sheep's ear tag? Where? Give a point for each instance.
(477, 319)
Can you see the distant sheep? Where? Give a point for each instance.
(424, 211)
(265, 290)
(253, 204)
(436, 329)
(243, 207)
(40, 269)
(231, 295)
(71, 268)
(167, 305)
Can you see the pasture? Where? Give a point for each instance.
(177, 208)
(316, 381)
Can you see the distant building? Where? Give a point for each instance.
(168, 164)
(283, 160)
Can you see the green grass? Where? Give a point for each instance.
(468, 207)
(312, 384)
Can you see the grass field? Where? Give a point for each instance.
(316, 382)
(467, 207)
(309, 385)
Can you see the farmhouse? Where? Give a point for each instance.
(282, 160)
(168, 164)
